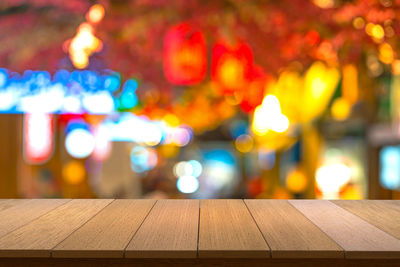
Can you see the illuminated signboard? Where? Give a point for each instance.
(66, 92)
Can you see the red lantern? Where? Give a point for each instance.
(185, 58)
(253, 94)
(232, 66)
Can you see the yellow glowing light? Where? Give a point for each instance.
(368, 28)
(271, 104)
(296, 181)
(340, 109)
(80, 59)
(260, 125)
(83, 45)
(324, 3)
(386, 53)
(350, 83)
(358, 23)
(331, 178)
(396, 67)
(319, 85)
(95, 13)
(74, 172)
(171, 120)
(268, 116)
(351, 192)
(231, 73)
(244, 143)
(280, 123)
(377, 31)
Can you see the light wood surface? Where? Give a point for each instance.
(384, 214)
(193, 232)
(357, 237)
(37, 238)
(22, 212)
(227, 229)
(289, 233)
(8, 203)
(169, 231)
(108, 233)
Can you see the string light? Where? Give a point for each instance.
(84, 43)
(95, 13)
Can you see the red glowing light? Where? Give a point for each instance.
(185, 59)
(312, 37)
(253, 96)
(232, 66)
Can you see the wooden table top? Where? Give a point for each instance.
(281, 229)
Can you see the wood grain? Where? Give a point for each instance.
(198, 262)
(8, 203)
(383, 214)
(289, 234)
(37, 238)
(25, 211)
(108, 233)
(228, 230)
(169, 231)
(358, 238)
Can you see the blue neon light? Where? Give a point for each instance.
(390, 167)
(66, 92)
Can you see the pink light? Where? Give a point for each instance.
(38, 137)
(103, 145)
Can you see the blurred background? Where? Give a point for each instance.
(200, 99)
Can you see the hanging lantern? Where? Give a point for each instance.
(254, 93)
(232, 66)
(320, 82)
(185, 59)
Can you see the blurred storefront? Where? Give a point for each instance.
(197, 99)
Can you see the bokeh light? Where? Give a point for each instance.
(95, 13)
(268, 117)
(74, 172)
(143, 159)
(340, 109)
(330, 178)
(185, 168)
(79, 143)
(390, 167)
(296, 181)
(244, 143)
(187, 184)
(38, 140)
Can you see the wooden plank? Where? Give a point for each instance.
(108, 233)
(289, 234)
(169, 231)
(9, 203)
(25, 211)
(384, 214)
(222, 262)
(37, 238)
(358, 238)
(228, 230)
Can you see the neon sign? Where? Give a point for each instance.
(66, 92)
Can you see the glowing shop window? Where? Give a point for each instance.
(390, 167)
